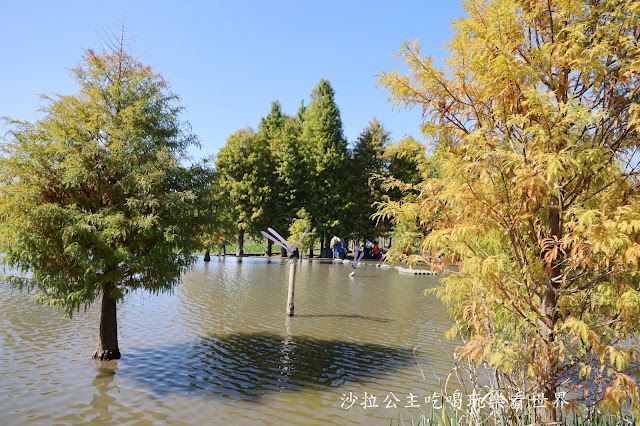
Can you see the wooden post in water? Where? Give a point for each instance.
(277, 238)
(292, 284)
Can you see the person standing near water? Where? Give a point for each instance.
(377, 254)
(342, 249)
(222, 247)
(368, 246)
(357, 250)
(334, 246)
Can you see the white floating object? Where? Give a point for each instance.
(412, 271)
(352, 274)
(382, 265)
(346, 261)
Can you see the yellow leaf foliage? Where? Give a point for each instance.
(534, 127)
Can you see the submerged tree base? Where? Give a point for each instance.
(106, 355)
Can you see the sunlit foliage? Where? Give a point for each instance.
(534, 118)
(325, 159)
(94, 197)
(367, 165)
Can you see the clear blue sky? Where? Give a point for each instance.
(228, 60)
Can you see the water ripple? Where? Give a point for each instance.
(220, 349)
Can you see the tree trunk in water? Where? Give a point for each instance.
(207, 256)
(548, 377)
(240, 249)
(322, 253)
(269, 246)
(310, 252)
(327, 245)
(283, 252)
(108, 342)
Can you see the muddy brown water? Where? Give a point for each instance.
(220, 350)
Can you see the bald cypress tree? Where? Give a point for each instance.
(326, 161)
(243, 168)
(95, 201)
(280, 133)
(367, 164)
(535, 121)
(273, 123)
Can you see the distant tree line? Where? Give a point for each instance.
(298, 170)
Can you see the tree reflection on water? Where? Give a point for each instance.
(250, 365)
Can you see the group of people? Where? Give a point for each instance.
(339, 247)
(371, 249)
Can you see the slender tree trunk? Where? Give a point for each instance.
(310, 253)
(548, 377)
(207, 256)
(327, 244)
(108, 341)
(322, 253)
(269, 246)
(240, 249)
(283, 252)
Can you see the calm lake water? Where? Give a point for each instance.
(220, 350)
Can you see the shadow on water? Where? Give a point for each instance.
(364, 317)
(249, 366)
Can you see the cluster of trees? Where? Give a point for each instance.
(97, 197)
(536, 127)
(534, 185)
(298, 171)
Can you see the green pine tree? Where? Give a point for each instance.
(245, 171)
(367, 166)
(95, 201)
(406, 165)
(281, 133)
(326, 161)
